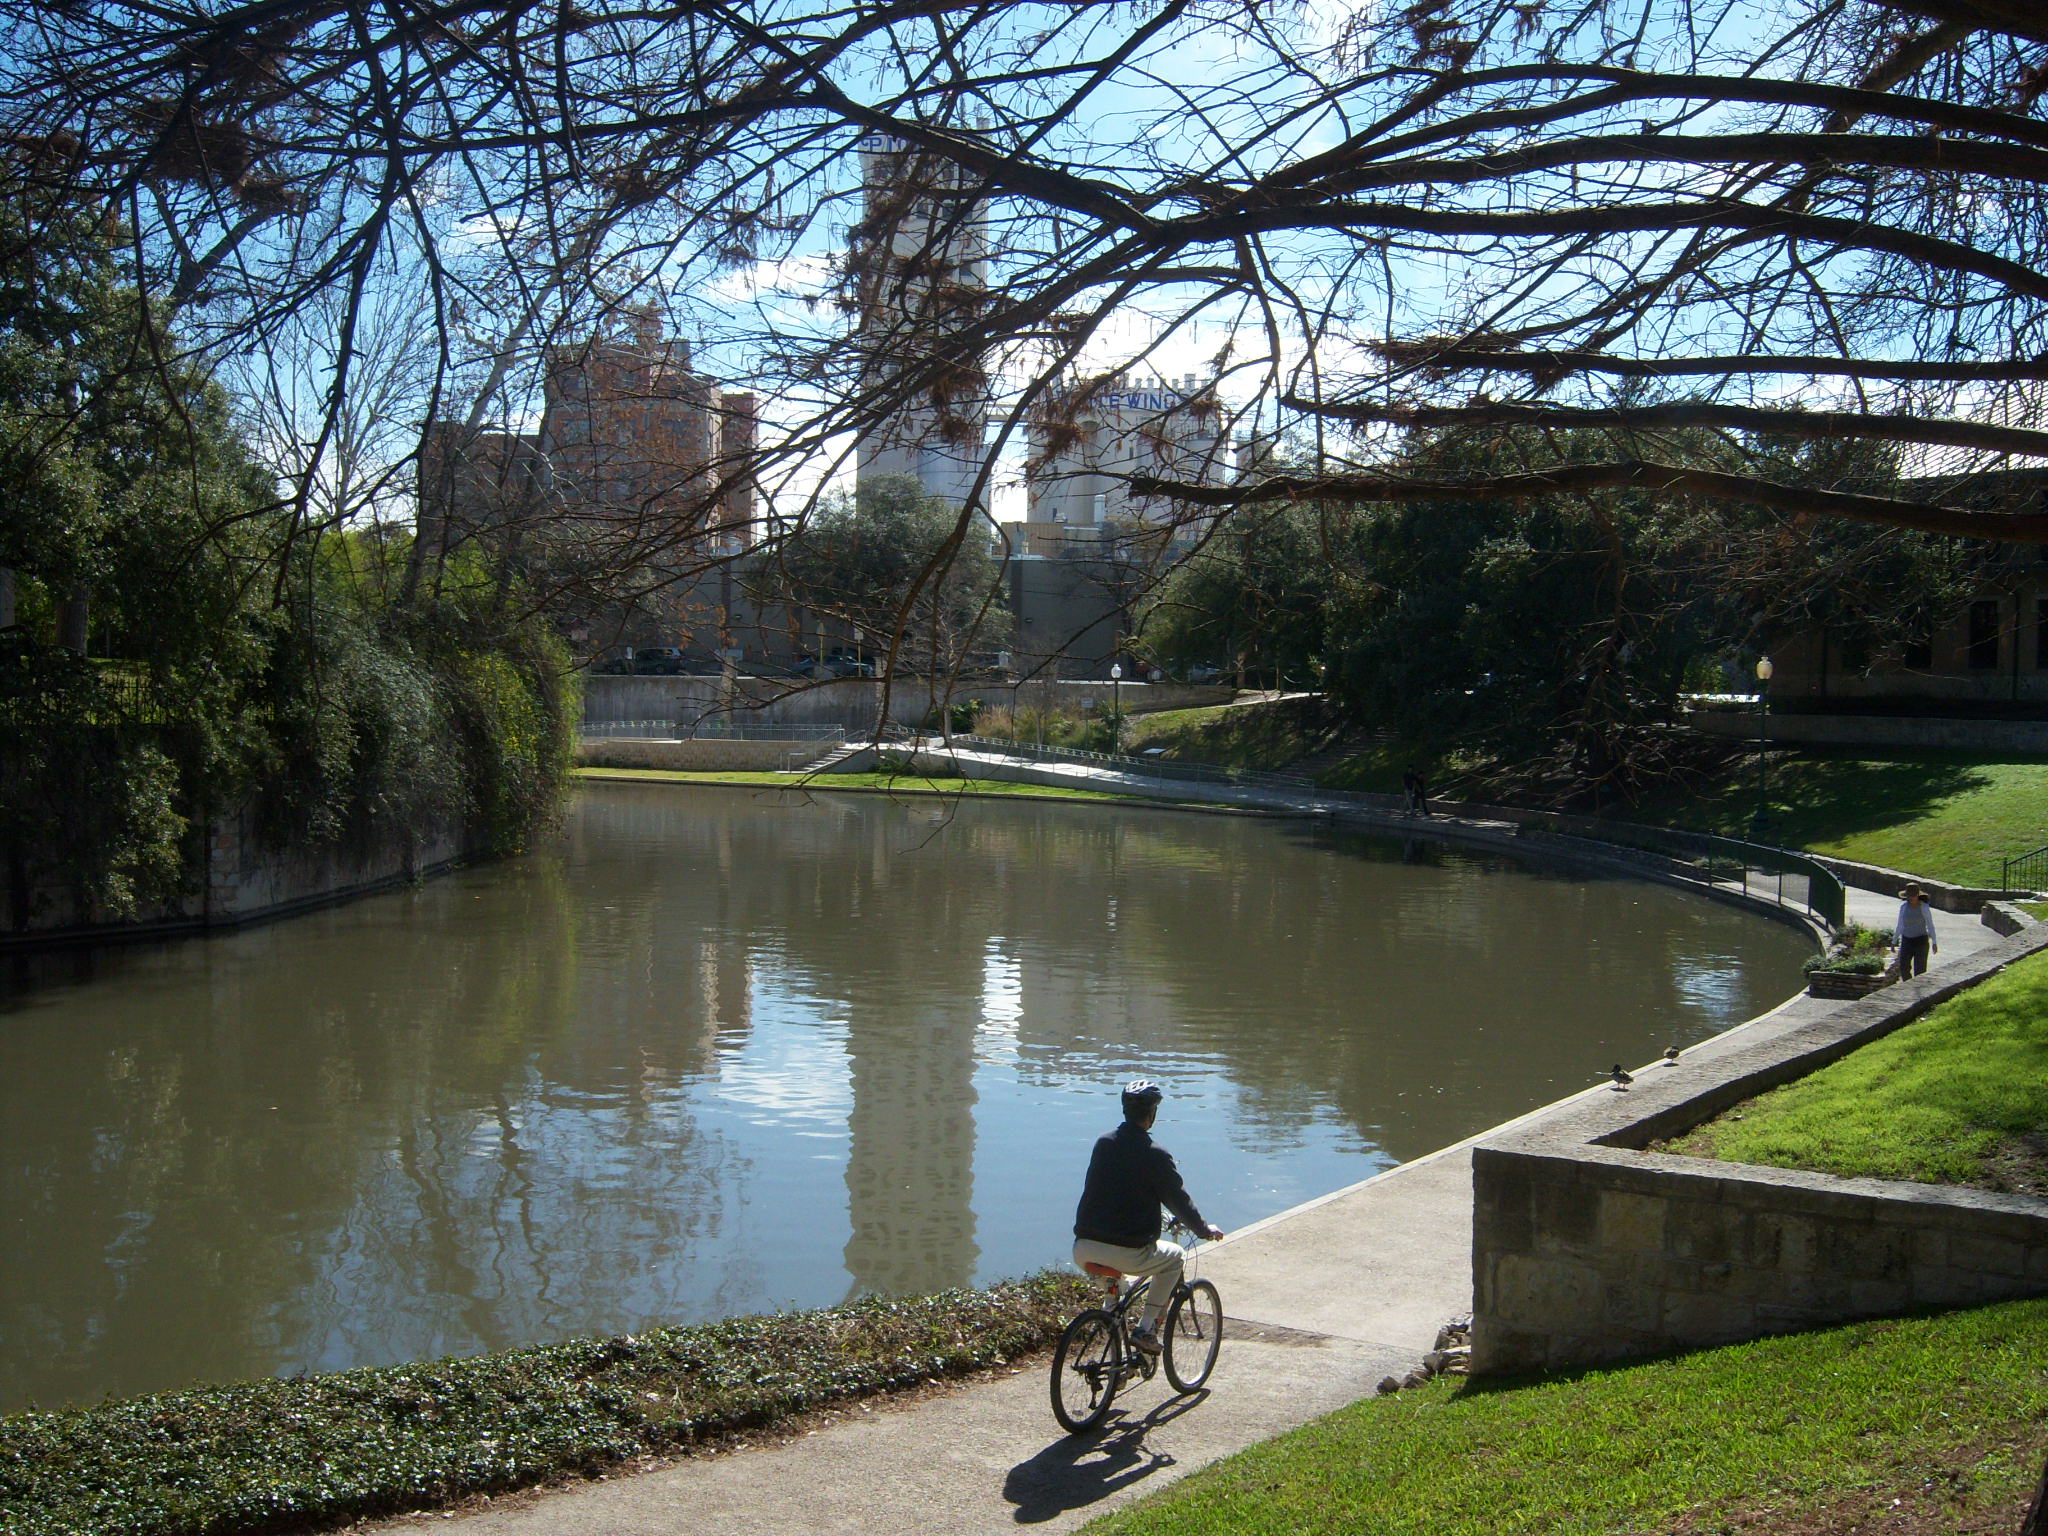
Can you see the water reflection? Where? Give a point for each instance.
(722, 1052)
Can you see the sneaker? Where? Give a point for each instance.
(1145, 1341)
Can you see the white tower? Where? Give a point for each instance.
(921, 269)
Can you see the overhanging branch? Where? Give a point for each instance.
(1452, 358)
(1697, 414)
(1627, 474)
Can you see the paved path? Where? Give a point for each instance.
(1323, 1301)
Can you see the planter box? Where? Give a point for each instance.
(1841, 984)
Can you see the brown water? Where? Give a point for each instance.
(719, 1052)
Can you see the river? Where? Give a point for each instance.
(714, 1051)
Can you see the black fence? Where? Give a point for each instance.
(2024, 872)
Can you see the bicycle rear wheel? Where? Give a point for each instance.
(1194, 1333)
(1086, 1370)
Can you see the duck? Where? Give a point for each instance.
(1621, 1079)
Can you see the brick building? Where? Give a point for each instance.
(632, 441)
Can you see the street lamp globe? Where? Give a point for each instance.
(1116, 671)
(1764, 669)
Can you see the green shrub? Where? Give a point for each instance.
(267, 1455)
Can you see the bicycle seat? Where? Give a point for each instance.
(1106, 1271)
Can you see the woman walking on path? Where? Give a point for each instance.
(1914, 932)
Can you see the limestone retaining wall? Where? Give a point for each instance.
(1586, 1249)
(708, 755)
(854, 701)
(1788, 729)
(238, 877)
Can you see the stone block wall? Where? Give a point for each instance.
(704, 756)
(1612, 1255)
(237, 878)
(854, 701)
(247, 879)
(1787, 730)
(1587, 1248)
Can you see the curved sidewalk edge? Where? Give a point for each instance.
(1324, 1300)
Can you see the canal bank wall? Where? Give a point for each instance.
(1589, 1246)
(237, 877)
(1585, 1246)
(1535, 835)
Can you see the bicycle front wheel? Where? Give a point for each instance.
(1194, 1333)
(1086, 1369)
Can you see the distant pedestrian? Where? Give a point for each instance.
(1416, 787)
(1914, 932)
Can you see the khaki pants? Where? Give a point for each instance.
(1160, 1263)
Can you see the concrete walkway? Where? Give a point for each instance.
(1323, 1301)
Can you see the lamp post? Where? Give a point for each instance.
(1116, 709)
(1763, 744)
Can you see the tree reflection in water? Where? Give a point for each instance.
(723, 1052)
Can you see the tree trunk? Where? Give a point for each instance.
(74, 619)
(6, 597)
(2036, 1523)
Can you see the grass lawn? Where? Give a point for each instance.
(1951, 815)
(1959, 1097)
(1929, 1426)
(891, 783)
(1261, 737)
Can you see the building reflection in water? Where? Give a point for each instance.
(726, 1052)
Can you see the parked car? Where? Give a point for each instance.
(838, 662)
(658, 661)
(618, 664)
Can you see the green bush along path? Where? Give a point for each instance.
(1926, 1426)
(313, 1451)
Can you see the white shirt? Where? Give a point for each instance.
(1914, 921)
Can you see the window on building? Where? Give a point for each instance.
(1984, 634)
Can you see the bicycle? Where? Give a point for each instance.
(1096, 1358)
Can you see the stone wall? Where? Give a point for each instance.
(703, 756)
(854, 701)
(1788, 730)
(238, 878)
(246, 879)
(1588, 1249)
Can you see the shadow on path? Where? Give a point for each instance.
(1077, 1470)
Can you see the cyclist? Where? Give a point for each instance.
(1129, 1178)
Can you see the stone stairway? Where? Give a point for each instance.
(831, 757)
(1346, 746)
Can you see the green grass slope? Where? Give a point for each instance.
(1959, 1097)
(1929, 1426)
(1950, 815)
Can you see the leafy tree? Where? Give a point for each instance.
(1252, 601)
(180, 646)
(135, 532)
(908, 574)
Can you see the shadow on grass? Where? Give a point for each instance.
(1826, 797)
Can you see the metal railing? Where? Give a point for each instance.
(1765, 873)
(2031, 868)
(1770, 874)
(1149, 767)
(710, 729)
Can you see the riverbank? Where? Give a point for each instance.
(1325, 1301)
(318, 1450)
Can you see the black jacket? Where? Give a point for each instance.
(1128, 1180)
